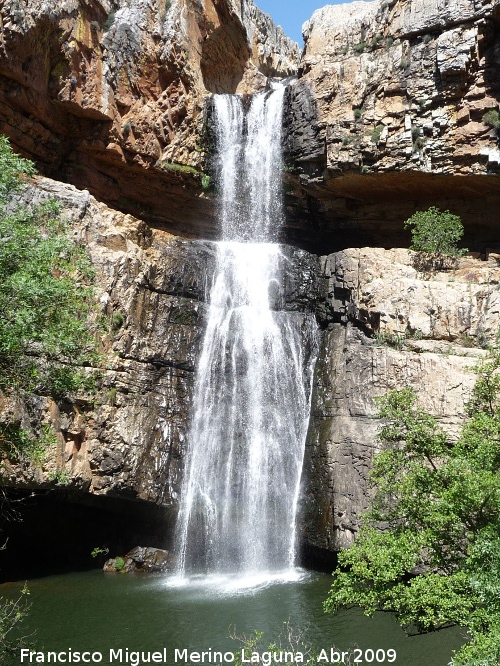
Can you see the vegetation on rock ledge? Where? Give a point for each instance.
(434, 237)
(45, 332)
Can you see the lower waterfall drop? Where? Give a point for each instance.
(253, 383)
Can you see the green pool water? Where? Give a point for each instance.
(99, 612)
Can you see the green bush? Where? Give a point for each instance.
(395, 340)
(492, 118)
(13, 613)
(438, 501)
(419, 143)
(357, 114)
(109, 20)
(46, 303)
(376, 134)
(359, 48)
(119, 563)
(117, 320)
(45, 292)
(417, 139)
(435, 235)
(206, 182)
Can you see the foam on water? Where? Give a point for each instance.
(236, 584)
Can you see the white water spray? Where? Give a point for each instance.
(251, 404)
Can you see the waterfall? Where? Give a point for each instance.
(253, 383)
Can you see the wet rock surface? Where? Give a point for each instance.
(141, 560)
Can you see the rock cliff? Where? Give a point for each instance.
(109, 95)
(387, 117)
(125, 441)
(401, 89)
(397, 328)
(384, 325)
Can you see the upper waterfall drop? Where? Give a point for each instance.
(253, 383)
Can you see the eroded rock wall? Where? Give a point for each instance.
(401, 88)
(386, 119)
(383, 325)
(404, 85)
(397, 328)
(126, 440)
(109, 95)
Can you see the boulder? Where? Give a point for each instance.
(141, 559)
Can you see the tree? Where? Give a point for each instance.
(45, 300)
(12, 614)
(429, 545)
(435, 235)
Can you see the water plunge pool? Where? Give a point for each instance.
(99, 612)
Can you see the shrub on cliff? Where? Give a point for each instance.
(45, 298)
(437, 562)
(434, 237)
(492, 118)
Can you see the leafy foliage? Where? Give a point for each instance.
(109, 20)
(492, 118)
(359, 48)
(45, 294)
(435, 235)
(99, 551)
(21, 445)
(12, 613)
(429, 545)
(119, 563)
(377, 133)
(46, 337)
(287, 640)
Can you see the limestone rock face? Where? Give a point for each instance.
(110, 95)
(386, 118)
(126, 440)
(401, 88)
(384, 325)
(388, 296)
(428, 335)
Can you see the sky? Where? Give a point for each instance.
(291, 14)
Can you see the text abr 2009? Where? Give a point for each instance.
(370, 656)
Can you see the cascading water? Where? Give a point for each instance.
(251, 403)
